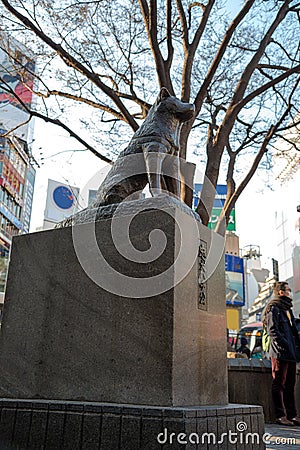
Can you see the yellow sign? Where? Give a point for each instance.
(232, 318)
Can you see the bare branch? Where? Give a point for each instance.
(169, 35)
(190, 49)
(230, 202)
(7, 133)
(272, 67)
(289, 141)
(252, 65)
(162, 67)
(265, 87)
(220, 53)
(70, 61)
(55, 122)
(184, 25)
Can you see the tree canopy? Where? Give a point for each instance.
(237, 61)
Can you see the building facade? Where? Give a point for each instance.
(17, 177)
(287, 219)
(17, 173)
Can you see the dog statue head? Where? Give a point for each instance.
(171, 105)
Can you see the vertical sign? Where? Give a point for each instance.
(29, 188)
(234, 275)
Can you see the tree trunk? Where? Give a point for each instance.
(208, 191)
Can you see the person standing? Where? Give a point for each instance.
(284, 353)
(244, 349)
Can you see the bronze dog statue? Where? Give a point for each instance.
(152, 155)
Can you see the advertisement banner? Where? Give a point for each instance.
(220, 197)
(11, 179)
(215, 214)
(235, 285)
(17, 68)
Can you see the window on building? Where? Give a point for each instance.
(3, 222)
(12, 156)
(22, 168)
(9, 202)
(2, 141)
(19, 210)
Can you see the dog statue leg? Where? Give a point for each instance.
(171, 174)
(154, 156)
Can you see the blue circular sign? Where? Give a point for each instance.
(63, 197)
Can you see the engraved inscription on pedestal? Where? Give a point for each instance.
(202, 296)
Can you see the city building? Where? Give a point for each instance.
(235, 282)
(234, 264)
(257, 308)
(286, 266)
(17, 172)
(17, 176)
(245, 282)
(287, 211)
(255, 277)
(287, 220)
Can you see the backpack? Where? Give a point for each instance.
(266, 340)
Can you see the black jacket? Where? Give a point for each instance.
(245, 350)
(285, 342)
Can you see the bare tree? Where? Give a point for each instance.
(241, 72)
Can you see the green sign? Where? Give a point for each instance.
(216, 212)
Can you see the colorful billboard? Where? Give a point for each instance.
(221, 192)
(16, 75)
(17, 68)
(235, 284)
(11, 179)
(215, 214)
(220, 197)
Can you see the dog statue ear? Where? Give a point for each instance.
(164, 93)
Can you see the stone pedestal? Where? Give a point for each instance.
(67, 335)
(114, 337)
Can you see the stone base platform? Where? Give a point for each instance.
(140, 339)
(58, 425)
